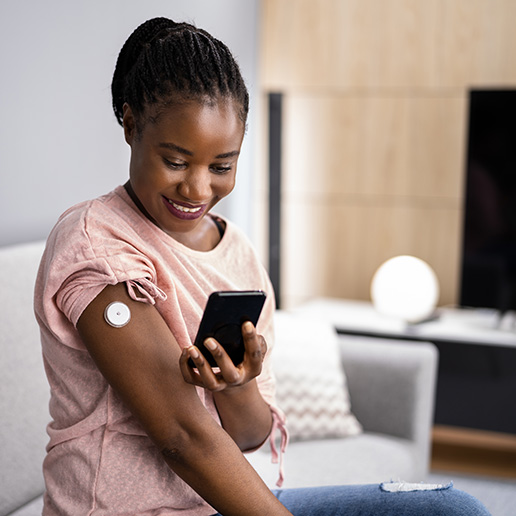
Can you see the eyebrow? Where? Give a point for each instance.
(173, 146)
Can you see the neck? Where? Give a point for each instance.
(141, 207)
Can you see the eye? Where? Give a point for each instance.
(221, 169)
(174, 165)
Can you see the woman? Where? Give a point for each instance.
(135, 429)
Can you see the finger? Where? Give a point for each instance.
(205, 374)
(255, 346)
(229, 372)
(189, 375)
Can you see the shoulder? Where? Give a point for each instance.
(101, 234)
(95, 222)
(94, 244)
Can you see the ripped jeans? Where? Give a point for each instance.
(388, 499)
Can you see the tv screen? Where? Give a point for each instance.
(488, 276)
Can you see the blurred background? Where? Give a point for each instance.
(375, 132)
(59, 140)
(375, 111)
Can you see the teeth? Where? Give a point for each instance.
(183, 208)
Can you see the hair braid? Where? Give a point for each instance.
(163, 60)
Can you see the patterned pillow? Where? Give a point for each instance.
(311, 386)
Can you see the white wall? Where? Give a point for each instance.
(59, 140)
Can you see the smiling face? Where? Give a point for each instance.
(183, 164)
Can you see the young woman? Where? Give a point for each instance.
(135, 429)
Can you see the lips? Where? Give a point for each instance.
(183, 210)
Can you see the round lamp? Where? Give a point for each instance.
(405, 287)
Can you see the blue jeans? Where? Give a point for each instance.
(378, 500)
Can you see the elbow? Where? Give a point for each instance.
(251, 440)
(180, 444)
(173, 454)
(185, 445)
(173, 447)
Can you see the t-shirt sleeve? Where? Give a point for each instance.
(80, 263)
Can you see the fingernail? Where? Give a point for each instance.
(210, 344)
(193, 352)
(248, 327)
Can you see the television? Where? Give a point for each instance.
(488, 263)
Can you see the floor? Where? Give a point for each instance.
(497, 494)
(481, 463)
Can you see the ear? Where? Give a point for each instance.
(129, 124)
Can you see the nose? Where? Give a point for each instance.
(196, 185)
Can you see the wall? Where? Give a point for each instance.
(59, 140)
(374, 132)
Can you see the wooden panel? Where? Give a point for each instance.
(478, 43)
(385, 137)
(343, 145)
(366, 179)
(334, 250)
(306, 250)
(435, 236)
(349, 43)
(384, 233)
(437, 146)
(323, 138)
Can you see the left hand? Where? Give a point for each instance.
(229, 375)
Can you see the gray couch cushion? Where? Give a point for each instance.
(34, 508)
(24, 393)
(364, 459)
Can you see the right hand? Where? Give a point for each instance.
(228, 375)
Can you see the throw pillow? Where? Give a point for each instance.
(311, 385)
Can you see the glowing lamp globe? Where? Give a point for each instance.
(405, 287)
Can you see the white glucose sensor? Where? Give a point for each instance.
(117, 314)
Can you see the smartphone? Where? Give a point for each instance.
(222, 319)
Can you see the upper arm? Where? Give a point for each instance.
(141, 362)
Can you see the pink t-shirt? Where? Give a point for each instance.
(99, 460)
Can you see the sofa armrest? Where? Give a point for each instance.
(24, 395)
(392, 386)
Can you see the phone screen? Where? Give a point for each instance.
(223, 317)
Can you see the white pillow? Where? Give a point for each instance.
(311, 386)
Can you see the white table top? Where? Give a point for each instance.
(475, 326)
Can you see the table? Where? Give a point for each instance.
(476, 385)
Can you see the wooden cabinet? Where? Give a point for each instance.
(362, 184)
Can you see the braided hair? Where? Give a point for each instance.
(164, 61)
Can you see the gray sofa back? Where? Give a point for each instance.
(24, 392)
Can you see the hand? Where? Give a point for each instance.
(229, 374)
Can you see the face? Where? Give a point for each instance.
(184, 163)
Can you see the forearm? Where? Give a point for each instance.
(244, 415)
(210, 462)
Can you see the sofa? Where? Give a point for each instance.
(389, 389)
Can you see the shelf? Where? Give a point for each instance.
(479, 452)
